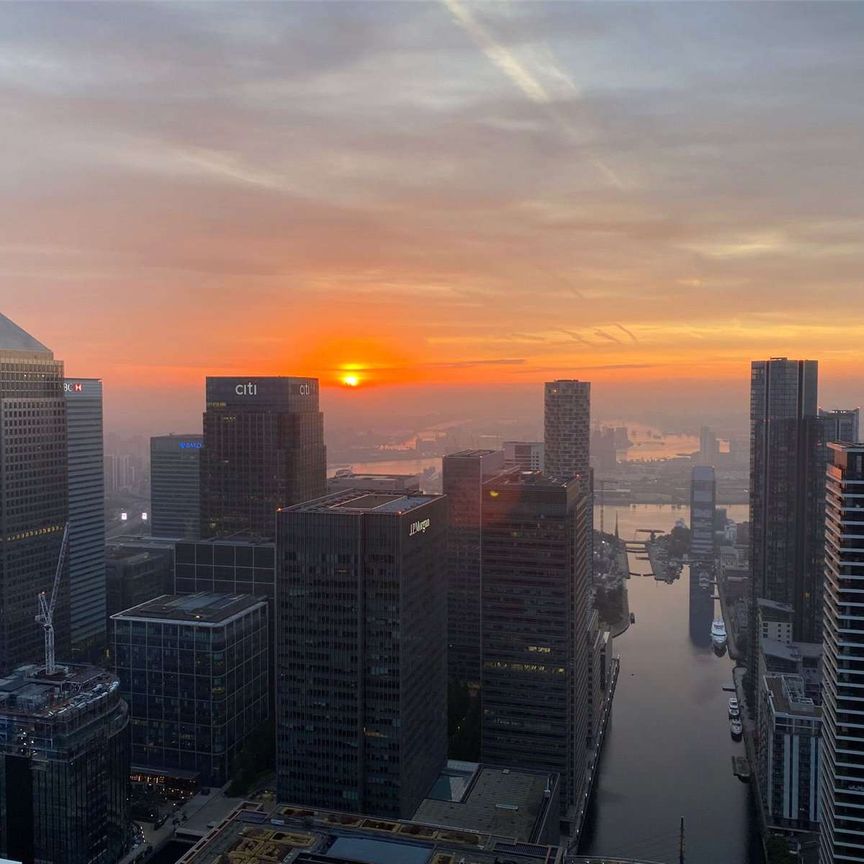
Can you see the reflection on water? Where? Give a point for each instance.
(701, 607)
(668, 746)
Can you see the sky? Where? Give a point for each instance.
(446, 199)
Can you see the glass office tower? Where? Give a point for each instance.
(175, 481)
(536, 663)
(361, 641)
(34, 503)
(464, 475)
(787, 491)
(263, 449)
(86, 516)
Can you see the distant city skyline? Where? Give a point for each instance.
(447, 194)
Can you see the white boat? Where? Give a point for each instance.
(734, 707)
(735, 727)
(718, 630)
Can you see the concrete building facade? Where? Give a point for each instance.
(790, 725)
(842, 768)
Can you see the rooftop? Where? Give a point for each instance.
(788, 696)
(200, 608)
(13, 338)
(775, 605)
(503, 801)
(470, 454)
(357, 501)
(28, 690)
(257, 833)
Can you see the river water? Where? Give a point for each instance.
(667, 752)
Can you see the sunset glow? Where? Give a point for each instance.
(509, 215)
(351, 380)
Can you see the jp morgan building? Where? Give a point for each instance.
(263, 449)
(361, 649)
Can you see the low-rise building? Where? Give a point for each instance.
(515, 802)
(306, 835)
(789, 736)
(194, 670)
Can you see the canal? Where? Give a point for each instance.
(668, 750)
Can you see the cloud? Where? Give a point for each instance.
(527, 77)
(607, 336)
(630, 333)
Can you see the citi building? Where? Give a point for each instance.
(263, 449)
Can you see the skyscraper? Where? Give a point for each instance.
(841, 778)
(464, 475)
(263, 449)
(34, 504)
(709, 448)
(703, 491)
(175, 481)
(536, 676)
(840, 424)
(86, 554)
(64, 767)
(361, 637)
(787, 491)
(567, 423)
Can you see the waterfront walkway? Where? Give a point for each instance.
(593, 768)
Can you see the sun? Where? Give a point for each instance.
(351, 380)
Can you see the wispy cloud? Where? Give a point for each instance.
(526, 77)
(630, 333)
(607, 336)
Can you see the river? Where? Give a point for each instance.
(668, 750)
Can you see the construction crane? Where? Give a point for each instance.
(45, 616)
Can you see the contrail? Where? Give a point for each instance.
(604, 335)
(522, 76)
(623, 329)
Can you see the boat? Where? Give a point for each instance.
(736, 728)
(632, 618)
(734, 707)
(718, 631)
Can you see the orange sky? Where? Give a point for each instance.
(436, 194)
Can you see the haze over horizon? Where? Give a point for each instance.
(452, 201)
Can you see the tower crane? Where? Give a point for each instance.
(45, 616)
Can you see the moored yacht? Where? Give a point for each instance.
(718, 631)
